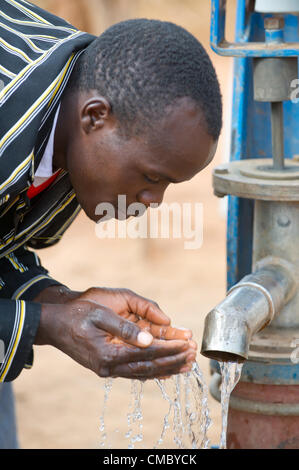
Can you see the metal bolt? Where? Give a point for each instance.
(221, 171)
(275, 22)
(218, 194)
(283, 221)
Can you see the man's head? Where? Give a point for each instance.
(143, 110)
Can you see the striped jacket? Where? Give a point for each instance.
(37, 54)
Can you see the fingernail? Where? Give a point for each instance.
(144, 338)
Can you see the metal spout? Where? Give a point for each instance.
(249, 306)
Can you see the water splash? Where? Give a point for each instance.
(203, 412)
(135, 417)
(107, 389)
(231, 374)
(187, 420)
(166, 419)
(189, 406)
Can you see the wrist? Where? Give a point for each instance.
(50, 325)
(58, 294)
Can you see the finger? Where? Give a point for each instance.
(187, 367)
(192, 344)
(135, 319)
(184, 368)
(151, 369)
(146, 308)
(122, 353)
(164, 332)
(112, 323)
(169, 332)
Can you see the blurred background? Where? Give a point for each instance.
(59, 403)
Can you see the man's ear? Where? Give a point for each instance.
(95, 112)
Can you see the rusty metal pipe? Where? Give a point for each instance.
(277, 135)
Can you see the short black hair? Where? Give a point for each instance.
(142, 66)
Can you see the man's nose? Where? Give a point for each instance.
(147, 197)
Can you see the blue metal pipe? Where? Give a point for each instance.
(244, 47)
(251, 138)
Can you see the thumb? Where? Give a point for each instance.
(109, 321)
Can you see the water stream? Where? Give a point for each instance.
(135, 417)
(107, 390)
(231, 373)
(188, 410)
(187, 420)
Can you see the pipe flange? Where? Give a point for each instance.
(255, 179)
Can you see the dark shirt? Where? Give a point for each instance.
(38, 51)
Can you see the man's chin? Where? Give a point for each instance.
(119, 215)
(112, 212)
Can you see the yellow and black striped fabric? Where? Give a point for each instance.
(38, 51)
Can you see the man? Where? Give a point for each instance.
(83, 120)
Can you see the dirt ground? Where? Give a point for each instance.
(58, 402)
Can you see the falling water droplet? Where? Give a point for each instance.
(231, 373)
(189, 406)
(107, 388)
(135, 417)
